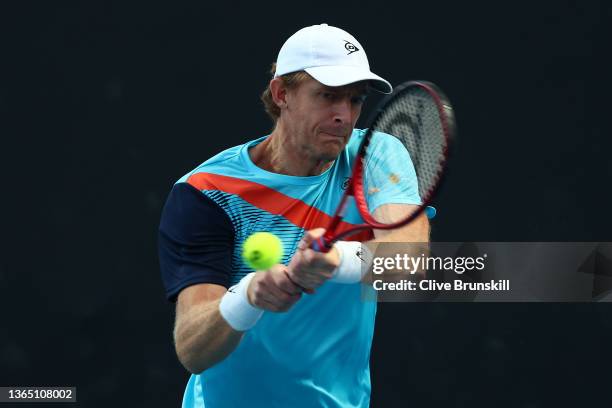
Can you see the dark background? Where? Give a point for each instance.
(104, 104)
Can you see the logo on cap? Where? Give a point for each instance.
(350, 47)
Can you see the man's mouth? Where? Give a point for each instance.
(334, 134)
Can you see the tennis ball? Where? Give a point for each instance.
(262, 250)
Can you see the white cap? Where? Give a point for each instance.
(330, 55)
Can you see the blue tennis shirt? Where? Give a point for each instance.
(316, 354)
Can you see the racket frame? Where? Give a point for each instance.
(355, 187)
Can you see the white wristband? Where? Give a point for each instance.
(235, 307)
(354, 262)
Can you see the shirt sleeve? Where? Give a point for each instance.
(390, 176)
(196, 240)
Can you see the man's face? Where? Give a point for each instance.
(320, 119)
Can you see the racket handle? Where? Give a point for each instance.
(321, 245)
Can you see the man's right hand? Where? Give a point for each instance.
(272, 290)
(309, 268)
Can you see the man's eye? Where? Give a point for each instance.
(328, 95)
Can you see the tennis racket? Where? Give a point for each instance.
(414, 124)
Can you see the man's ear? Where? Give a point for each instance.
(278, 92)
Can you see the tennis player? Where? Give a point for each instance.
(297, 335)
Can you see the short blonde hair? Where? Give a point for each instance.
(290, 81)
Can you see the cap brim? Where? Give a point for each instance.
(344, 75)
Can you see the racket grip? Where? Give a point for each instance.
(321, 245)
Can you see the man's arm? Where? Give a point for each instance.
(196, 241)
(416, 231)
(195, 245)
(202, 337)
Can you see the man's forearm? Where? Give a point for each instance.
(417, 231)
(203, 338)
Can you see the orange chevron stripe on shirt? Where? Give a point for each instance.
(272, 201)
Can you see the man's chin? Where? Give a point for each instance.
(331, 152)
(328, 146)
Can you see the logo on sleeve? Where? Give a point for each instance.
(359, 254)
(350, 47)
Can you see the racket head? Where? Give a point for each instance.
(409, 135)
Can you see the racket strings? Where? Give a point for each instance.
(414, 120)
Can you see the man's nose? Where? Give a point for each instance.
(342, 111)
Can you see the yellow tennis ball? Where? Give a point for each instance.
(262, 250)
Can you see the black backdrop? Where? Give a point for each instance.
(106, 103)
